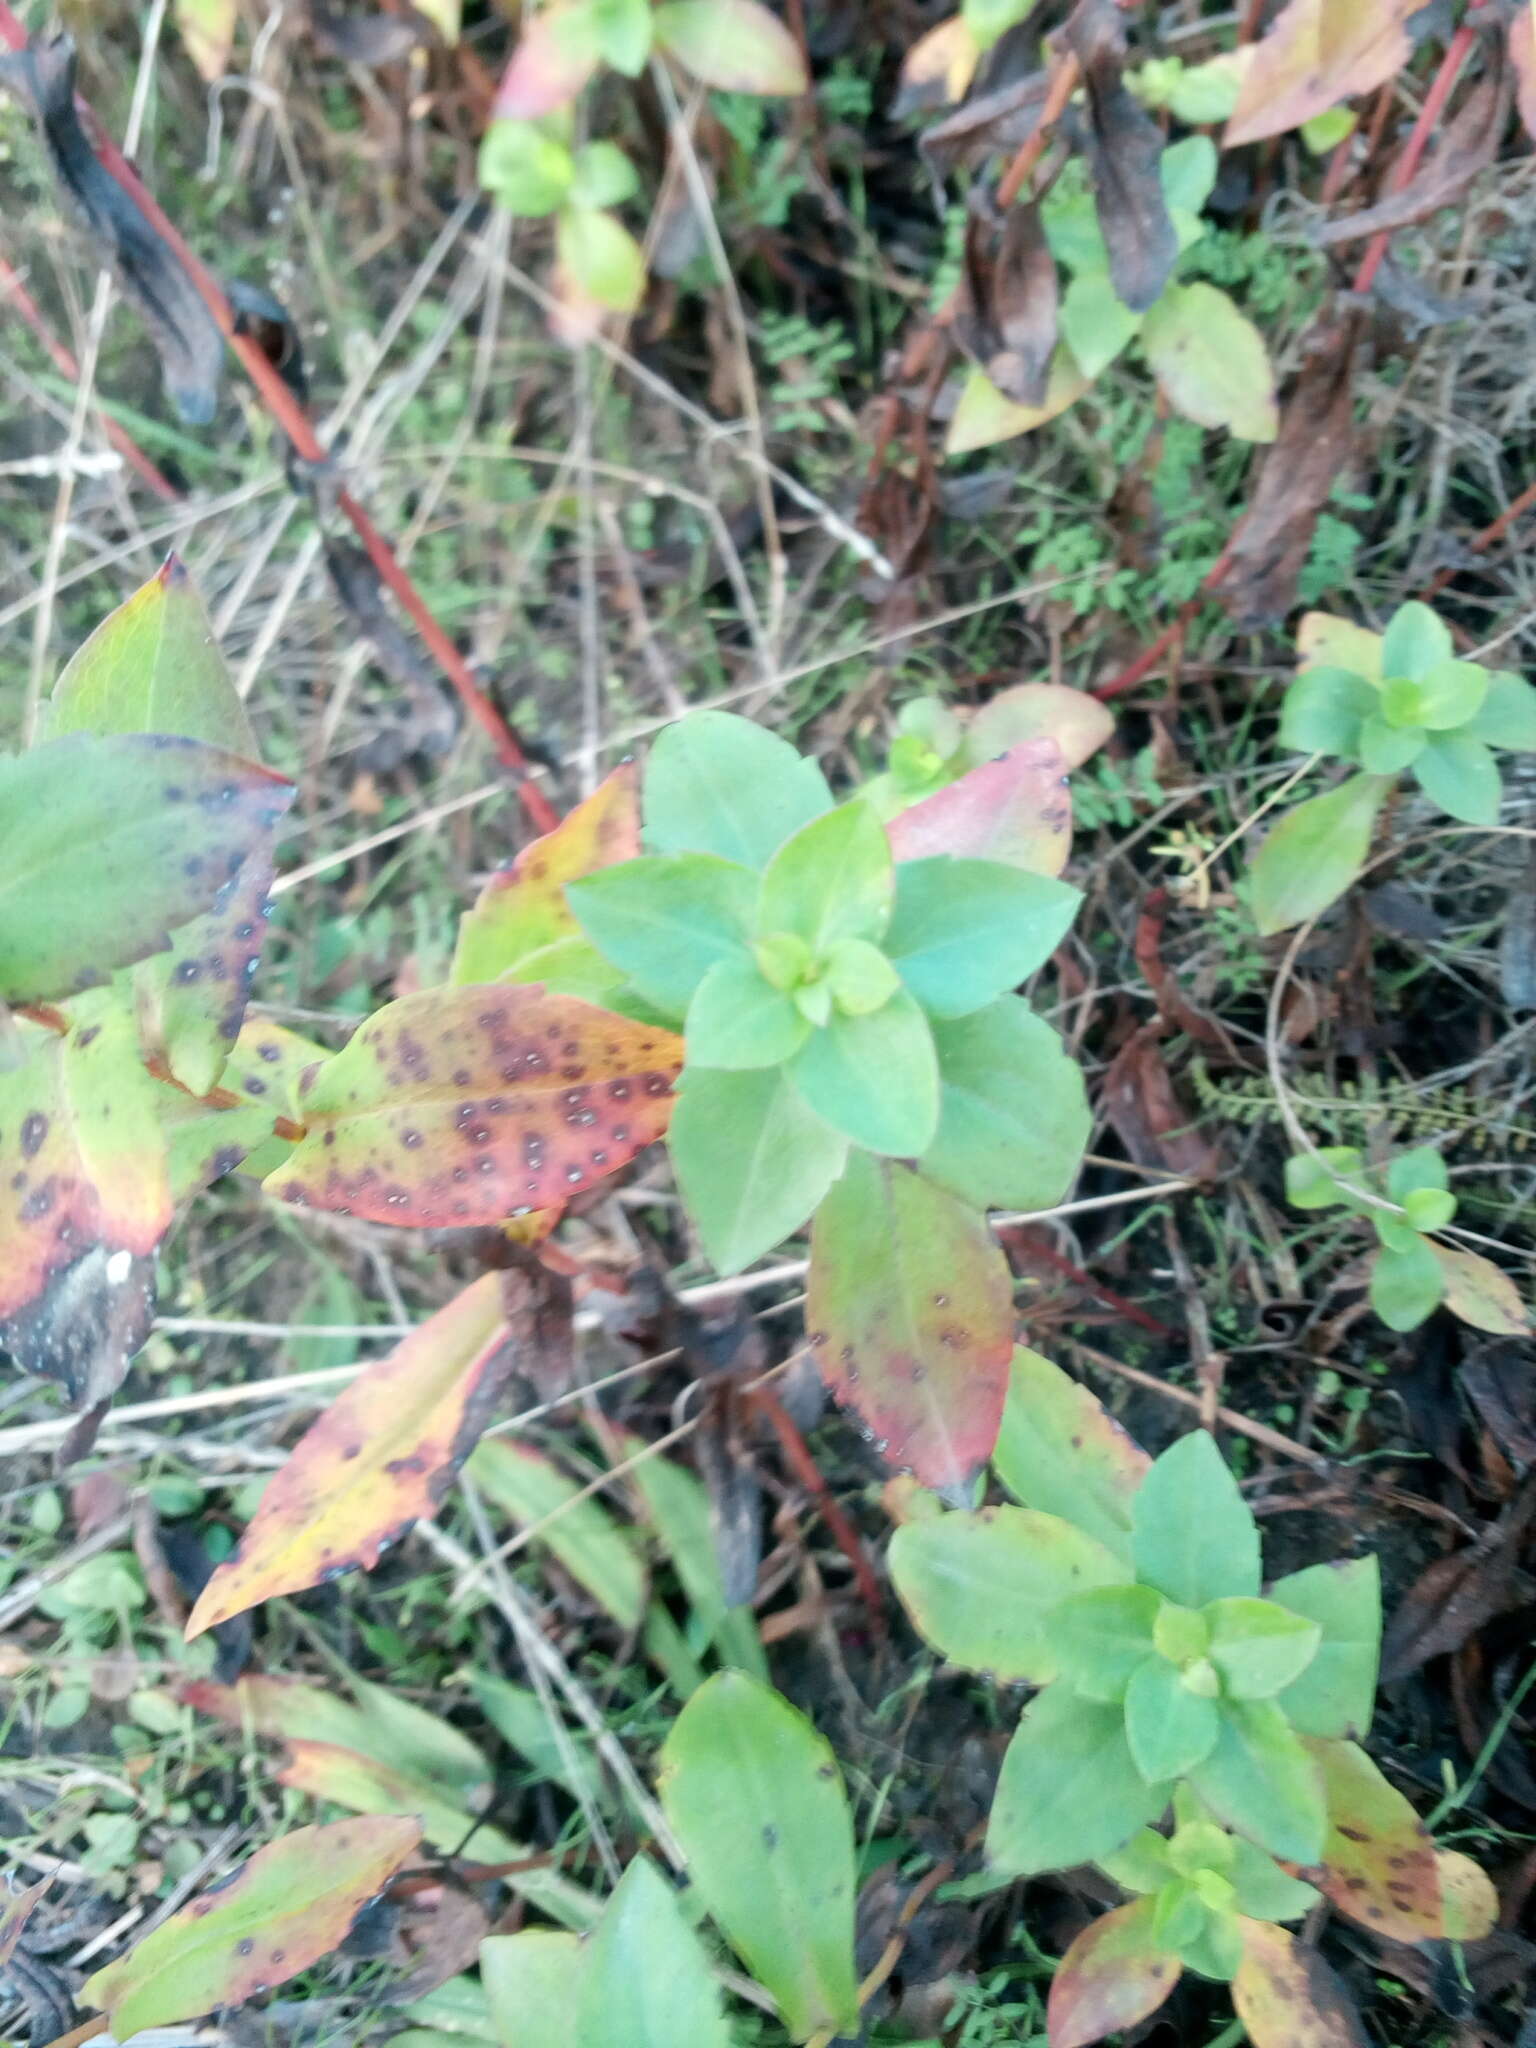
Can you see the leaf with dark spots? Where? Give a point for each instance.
(911, 1320)
(1288, 1997)
(380, 1458)
(192, 999)
(1448, 1603)
(264, 1068)
(1124, 146)
(1465, 146)
(1378, 1860)
(184, 331)
(522, 929)
(431, 721)
(1016, 809)
(1297, 476)
(1314, 54)
(292, 1903)
(1115, 1973)
(84, 1200)
(108, 844)
(1005, 309)
(153, 665)
(464, 1106)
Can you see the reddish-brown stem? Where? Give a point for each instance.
(797, 1453)
(1457, 50)
(1148, 660)
(1064, 81)
(16, 292)
(295, 423)
(44, 1014)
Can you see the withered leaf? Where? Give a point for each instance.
(185, 334)
(368, 38)
(1005, 310)
(1124, 146)
(988, 121)
(1450, 1602)
(1500, 1382)
(1296, 476)
(1467, 145)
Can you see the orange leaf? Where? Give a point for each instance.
(380, 1458)
(291, 1904)
(521, 923)
(468, 1105)
(1286, 1995)
(1113, 1975)
(1378, 1860)
(1317, 53)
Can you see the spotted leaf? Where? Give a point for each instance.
(1015, 809)
(1286, 1995)
(1115, 1973)
(522, 929)
(380, 1458)
(192, 998)
(84, 1195)
(292, 1903)
(911, 1319)
(1378, 1860)
(206, 1141)
(463, 1106)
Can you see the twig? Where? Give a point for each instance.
(1457, 50)
(1260, 1432)
(1064, 82)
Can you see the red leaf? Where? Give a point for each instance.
(1112, 1976)
(1015, 809)
(555, 56)
(911, 1319)
(467, 1105)
(380, 1458)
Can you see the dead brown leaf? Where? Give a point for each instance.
(1150, 1121)
(1124, 146)
(1450, 1602)
(1467, 145)
(1005, 310)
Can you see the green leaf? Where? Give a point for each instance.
(1507, 717)
(910, 1315)
(874, 1078)
(733, 45)
(1264, 1890)
(1447, 696)
(965, 931)
(754, 1796)
(982, 1588)
(752, 1161)
(1169, 1728)
(1211, 362)
(532, 1491)
(1386, 749)
(1336, 1694)
(1429, 1208)
(153, 665)
(1101, 1639)
(600, 257)
(1415, 642)
(833, 880)
(533, 1982)
(1312, 1178)
(293, 1902)
(1094, 322)
(720, 784)
(647, 1982)
(1259, 1648)
(1194, 1536)
(738, 1020)
(1013, 1110)
(1260, 1781)
(108, 844)
(604, 175)
(666, 920)
(1314, 853)
(1059, 1449)
(1323, 711)
(1114, 1975)
(860, 977)
(1406, 1286)
(1460, 774)
(1143, 1865)
(1068, 1792)
(623, 34)
(1186, 170)
(525, 170)
(987, 20)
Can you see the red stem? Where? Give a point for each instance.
(1457, 50)
(295, 422)
(14, 290)
(797, 1453)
